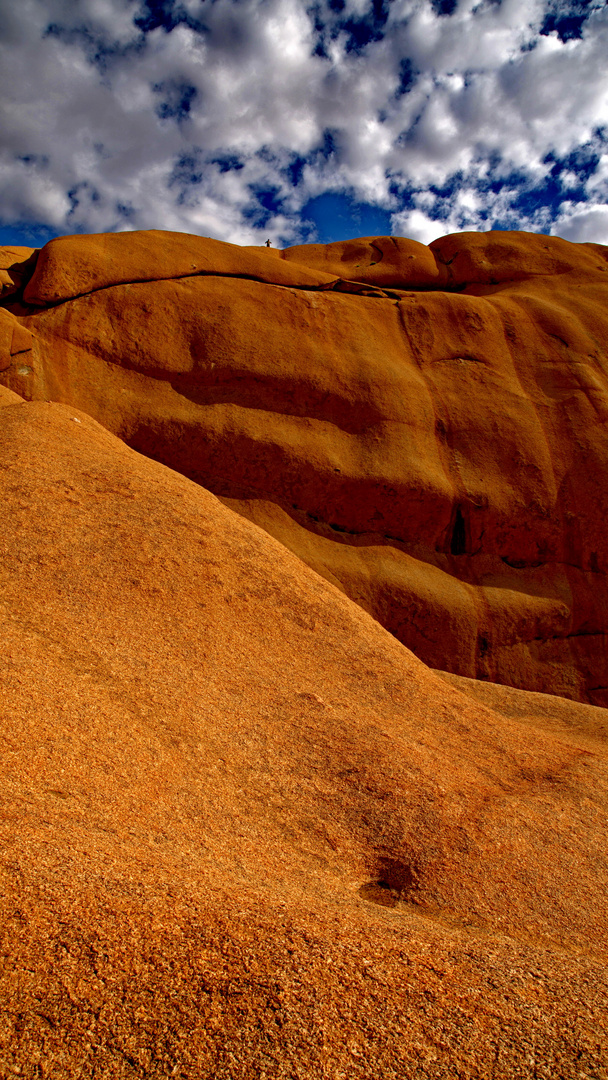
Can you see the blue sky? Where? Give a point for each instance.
(303, 120)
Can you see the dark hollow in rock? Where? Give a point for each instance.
(458, 544)
(394, 881)
(379, 892)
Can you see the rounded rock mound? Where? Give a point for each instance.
(244, 832)
(425, 427)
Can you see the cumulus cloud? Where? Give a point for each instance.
(227, 118)
(587, 225)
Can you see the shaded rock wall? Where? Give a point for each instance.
(426, 427)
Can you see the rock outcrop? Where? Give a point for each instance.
(245, 832)
(16, 266)
(425, 427)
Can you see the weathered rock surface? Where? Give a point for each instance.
(245, 832)
(426, 427)
(16, 267)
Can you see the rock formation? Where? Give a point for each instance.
(425, 427)
(245, 832)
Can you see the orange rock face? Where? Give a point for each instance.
(246, 833)
(426, 427)
(16, 266)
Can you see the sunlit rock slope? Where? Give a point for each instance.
(244, 832)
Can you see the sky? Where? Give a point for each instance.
(303, 120)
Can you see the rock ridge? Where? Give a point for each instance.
(450, 400)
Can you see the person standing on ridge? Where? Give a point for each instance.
(268, 243)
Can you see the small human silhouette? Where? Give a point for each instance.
(268, 243)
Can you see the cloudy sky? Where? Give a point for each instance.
(303, 120)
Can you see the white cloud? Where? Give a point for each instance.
(583, 224)
(598, 181)
(417, 225)
(93, 136)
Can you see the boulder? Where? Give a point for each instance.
(384, 261)
(73, 266)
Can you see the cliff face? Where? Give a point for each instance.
(425, 427)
